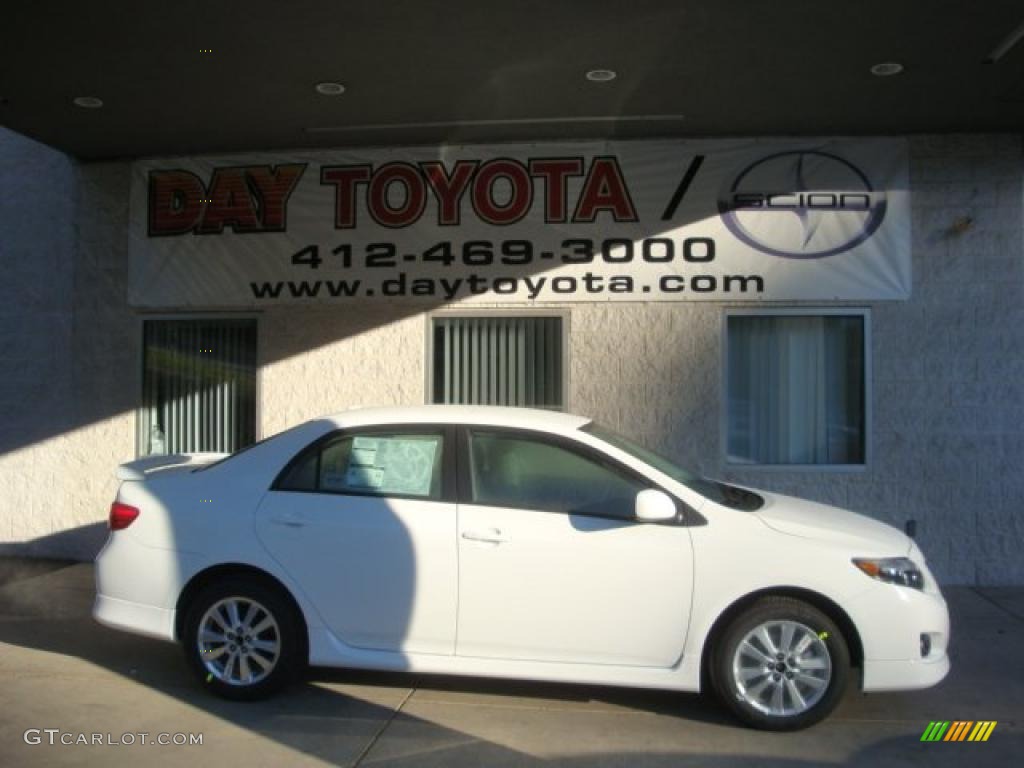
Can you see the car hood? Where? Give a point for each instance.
(810, 520)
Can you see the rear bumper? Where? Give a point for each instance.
(139, 618)
(137, 586)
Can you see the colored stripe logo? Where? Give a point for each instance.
(959, 730)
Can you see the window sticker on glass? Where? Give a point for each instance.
(364, 478)
(364, 451)
(334, 481)
(362, 457)
(383, 465)
(407, 464)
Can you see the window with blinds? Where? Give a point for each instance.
(199, 386)
(797, 388)
(499, 361)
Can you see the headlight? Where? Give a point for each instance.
(894, 570)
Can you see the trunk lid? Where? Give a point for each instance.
(167, 464)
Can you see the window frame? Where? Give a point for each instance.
(428, 369)
(685, 515)
(449, 447)
(140, 365)
(809, 311)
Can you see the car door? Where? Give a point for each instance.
(552, 565)
(364, 521)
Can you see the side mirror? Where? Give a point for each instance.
(654, 506)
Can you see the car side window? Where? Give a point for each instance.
(374, 464)
(510, 470)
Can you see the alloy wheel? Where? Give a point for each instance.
(781, 668)
(239, 641)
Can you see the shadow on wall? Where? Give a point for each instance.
(91, 357)
(95, 342)
(647, 370)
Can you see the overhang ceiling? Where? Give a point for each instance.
(467, 71)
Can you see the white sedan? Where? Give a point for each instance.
(505, 542)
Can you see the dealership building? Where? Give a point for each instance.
(837, 315)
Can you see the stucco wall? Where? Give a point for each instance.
(37, 214)
(67, 349)
(948, 371)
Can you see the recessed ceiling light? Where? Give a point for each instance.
(887, 68)
(601, 75)
(88, 102)
(330, 89)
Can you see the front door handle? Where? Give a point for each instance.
(488, 536)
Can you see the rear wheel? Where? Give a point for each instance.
(781, 665)
(241, 639)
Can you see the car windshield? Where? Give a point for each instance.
(720, 493)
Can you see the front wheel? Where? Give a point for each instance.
(241, 639)
(781, 665)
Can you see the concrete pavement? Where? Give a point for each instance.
(60, 670)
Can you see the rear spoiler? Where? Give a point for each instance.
(138, 469)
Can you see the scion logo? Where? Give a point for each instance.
(802, 205)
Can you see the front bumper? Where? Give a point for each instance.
(891, 621)
(905, 675)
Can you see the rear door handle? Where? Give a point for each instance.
(290, 521)
(488, 536)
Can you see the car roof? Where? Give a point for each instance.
(491, 415)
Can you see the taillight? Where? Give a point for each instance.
(122, 515)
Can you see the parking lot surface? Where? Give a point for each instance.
(67, 679)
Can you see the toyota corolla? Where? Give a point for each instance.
(505, 542)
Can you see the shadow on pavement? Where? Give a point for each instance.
(344, 717)
(45, 605)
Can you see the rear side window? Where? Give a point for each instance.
(378, 464)
(526, 473)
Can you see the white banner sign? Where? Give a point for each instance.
(599, 221)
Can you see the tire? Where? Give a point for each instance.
(793, 692)
(250, 665)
